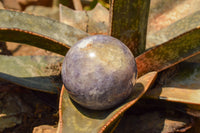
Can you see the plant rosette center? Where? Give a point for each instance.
(99, 72)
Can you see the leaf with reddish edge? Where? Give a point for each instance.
(74, 118)
(38, 31)
(169, 53)
(181, 26)
(41, 73)
(183, 86)
(128, 22)
(163, 13)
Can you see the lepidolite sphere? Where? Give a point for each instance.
(99, 72)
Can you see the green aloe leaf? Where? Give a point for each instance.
(170, 53)
(128, 22)
(40, 73)
(183, 87)
(74, 118)
(38, 31)
(181, 26)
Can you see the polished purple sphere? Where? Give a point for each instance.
(99, 72)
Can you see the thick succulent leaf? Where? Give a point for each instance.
(94, 21)
(40, 73)
(183, 87)
(74, 118)
(181, 26)
(38, 31)
(170, 53)
(128, 22)
(165, 12)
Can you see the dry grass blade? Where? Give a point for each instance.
(77, 5)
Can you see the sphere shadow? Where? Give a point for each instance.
(103, 114)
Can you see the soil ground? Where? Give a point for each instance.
(44, 109)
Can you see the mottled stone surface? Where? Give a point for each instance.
(99, 72)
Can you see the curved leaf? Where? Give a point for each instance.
(128, 22)
(183, 87)
(40, 73)
(38, 31)
(163, 13)
(170, 53)
(181, 26)
(74, 118)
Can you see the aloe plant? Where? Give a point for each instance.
(128, 22)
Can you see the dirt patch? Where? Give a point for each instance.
(43, 111)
